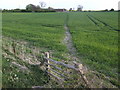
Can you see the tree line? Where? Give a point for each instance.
(32, 8)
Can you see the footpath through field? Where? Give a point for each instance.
(68, 41)
(74, 57)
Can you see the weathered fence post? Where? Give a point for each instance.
(14, 47)
(80, 68)
(47, 61)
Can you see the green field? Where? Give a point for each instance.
(94, 35)
(98, 44)
(43, 30)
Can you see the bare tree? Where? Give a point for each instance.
(42, 4)
(79, 8)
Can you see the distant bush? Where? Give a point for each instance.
(106, 10)
(112, 9)
(24, 10)
(46, 10)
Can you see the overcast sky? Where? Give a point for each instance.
(87, 4)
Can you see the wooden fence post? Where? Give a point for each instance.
(47, 61)
(14, 47)
(80, 68)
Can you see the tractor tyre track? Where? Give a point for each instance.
(94, 19)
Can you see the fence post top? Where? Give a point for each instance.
(47, 54)
(78, 65)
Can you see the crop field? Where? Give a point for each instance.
(39, 29)
(94, 35)
(45, 31)
(95, 41)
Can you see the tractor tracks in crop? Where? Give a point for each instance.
(100, 23)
